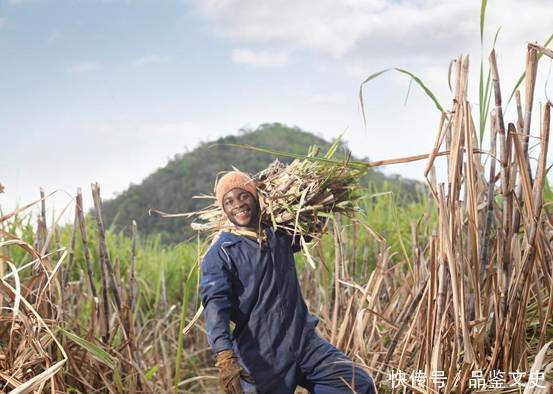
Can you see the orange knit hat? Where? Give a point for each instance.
(231, 180)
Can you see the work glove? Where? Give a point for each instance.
(230, 372)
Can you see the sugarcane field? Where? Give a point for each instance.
(165, 227)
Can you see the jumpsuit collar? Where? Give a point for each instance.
(238, 235)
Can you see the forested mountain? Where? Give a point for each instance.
(172, 187)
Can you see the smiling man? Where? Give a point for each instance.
(249, 278)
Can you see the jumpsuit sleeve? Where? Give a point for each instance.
(217, 298)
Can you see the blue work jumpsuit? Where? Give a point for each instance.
(274, 338)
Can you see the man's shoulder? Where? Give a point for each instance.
(220, 243)
(226, 239)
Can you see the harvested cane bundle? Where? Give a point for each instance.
(294, 197)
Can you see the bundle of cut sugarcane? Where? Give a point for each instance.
(295, 197)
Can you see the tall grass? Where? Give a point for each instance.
(153, 354)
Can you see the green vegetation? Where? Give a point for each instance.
(172, 187)
(162, 269)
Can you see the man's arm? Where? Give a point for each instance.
(217, 299)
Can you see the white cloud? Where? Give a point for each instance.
(335, 27)
(361, 37)
(147, 60)
(84, 67)
(356, 70)
(330, 98)
(259, 58)
(376, 29)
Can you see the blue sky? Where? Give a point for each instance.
(108, 91)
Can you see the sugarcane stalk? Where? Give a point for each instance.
(337, 264)
(531, 72)
(42, 223)
(473, 245)
(533, 205)
(490, 199)
(403, 325)
(66, 272)
(103, 258)
(84, 243)
(505, 229)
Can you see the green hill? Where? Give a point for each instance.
(172, 187)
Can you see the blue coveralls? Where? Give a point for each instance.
(274, 338)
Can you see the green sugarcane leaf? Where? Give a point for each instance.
(428, 92)
(369, 78)
(334, 147)
(94, 350)
(496, 36)
(408, 91)
(482, 19)
(359, 165)
(481, 98)
(485, 107)
(419, 82)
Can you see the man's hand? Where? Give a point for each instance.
(230, 372)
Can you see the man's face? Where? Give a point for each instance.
(241, 208)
